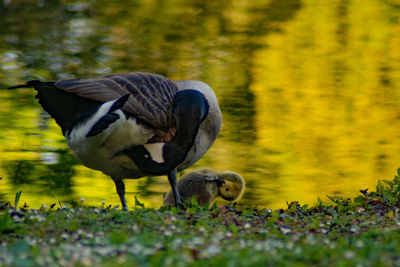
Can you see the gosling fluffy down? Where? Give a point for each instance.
(205, 185)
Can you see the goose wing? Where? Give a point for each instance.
(151, 100)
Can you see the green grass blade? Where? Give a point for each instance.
(17, 197)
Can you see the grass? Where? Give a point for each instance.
(363, 231)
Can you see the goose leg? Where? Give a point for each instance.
(172, 181)
(119, 184)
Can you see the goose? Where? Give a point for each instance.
(132, 125)
(205, 185)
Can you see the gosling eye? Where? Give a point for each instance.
(227, 189)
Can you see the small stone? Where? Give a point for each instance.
(349, 255)
(285, 230)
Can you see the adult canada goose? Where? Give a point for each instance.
(134, 124)
(205, 185)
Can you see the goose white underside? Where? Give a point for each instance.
(102, 152)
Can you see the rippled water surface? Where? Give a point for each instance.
(310, 91)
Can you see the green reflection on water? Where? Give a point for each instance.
(309, 91)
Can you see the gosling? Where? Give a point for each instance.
(205, 185)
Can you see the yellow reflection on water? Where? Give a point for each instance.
(327, 95)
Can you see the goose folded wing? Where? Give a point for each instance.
(151, 97)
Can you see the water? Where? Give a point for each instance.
(310, 91)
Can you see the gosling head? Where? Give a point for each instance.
(233, 186)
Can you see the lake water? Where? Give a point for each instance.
(309, 90)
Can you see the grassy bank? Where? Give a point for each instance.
(363, 231)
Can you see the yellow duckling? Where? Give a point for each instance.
(205, 185)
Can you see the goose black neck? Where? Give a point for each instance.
(190, 108)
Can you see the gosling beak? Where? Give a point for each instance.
(220, 182)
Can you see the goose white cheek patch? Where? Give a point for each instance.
(156, 151)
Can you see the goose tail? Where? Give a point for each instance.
(66, 108)
(30, 84)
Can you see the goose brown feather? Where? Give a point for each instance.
(151, 97)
